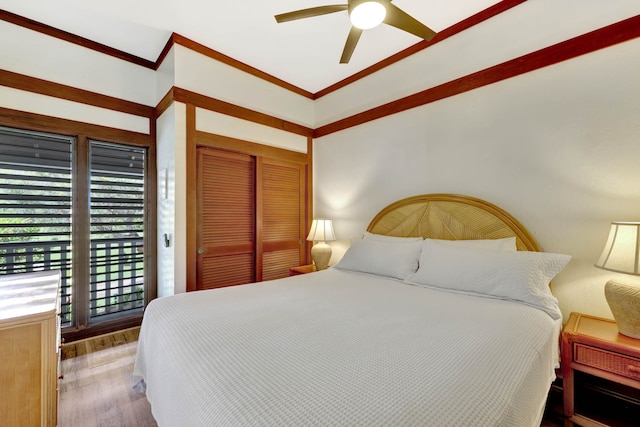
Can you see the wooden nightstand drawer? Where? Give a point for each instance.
(607, 361)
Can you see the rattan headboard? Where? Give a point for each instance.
(450, 217)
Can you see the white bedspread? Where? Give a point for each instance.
(340, 348)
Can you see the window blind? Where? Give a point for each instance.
(35, 206)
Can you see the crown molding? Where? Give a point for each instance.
(72, 38)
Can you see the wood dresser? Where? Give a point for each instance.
(29, 348)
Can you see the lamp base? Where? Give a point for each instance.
(321, 254)
(624, 302)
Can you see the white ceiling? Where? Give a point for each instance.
(304, 53)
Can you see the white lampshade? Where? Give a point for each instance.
(368, 14)
(621, 253)
(321, 230)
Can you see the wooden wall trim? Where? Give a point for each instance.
(165, 51)
(463, 25)
(212, 104)
(164, 103)
(81, 229)
(72, 38)
(599, 39)
(191, 199)
(259, 218)
(70, 93)
(213, 54)
(309, 213)
(42, 123)
(151, 220)
(254, 149)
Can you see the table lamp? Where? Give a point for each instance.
(321, 232)
(621, 254)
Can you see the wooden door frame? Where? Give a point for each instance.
(195, 139)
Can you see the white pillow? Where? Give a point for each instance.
(384, 238)
(506, 244)
(383, 258)
(516, 276)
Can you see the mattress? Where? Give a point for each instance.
(342, 348)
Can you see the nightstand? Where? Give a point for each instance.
(303, 269)
(601, 373)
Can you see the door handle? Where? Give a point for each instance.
(200, 251)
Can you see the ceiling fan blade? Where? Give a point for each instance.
(352, 41)
(308, 13)
(398, 18)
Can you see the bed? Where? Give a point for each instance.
(441, 315)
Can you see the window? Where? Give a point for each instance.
(117, 230)
(35, 206)
(39, 221)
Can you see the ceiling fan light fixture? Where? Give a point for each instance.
(368, 14)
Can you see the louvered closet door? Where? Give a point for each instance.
(282, 203)
(226, 218)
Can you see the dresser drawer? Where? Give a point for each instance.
(626, 366)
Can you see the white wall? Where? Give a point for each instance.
(37, 55)
(172, 211)
(557, 148)
(212, 122)
(528, 27)
(201, 74)
(55, 107)
(165, 76)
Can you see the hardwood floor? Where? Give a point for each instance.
(97, 391)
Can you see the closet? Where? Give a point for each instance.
(251, 214)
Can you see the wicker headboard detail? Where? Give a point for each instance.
(450, 217)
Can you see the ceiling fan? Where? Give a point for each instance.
(364, 14)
